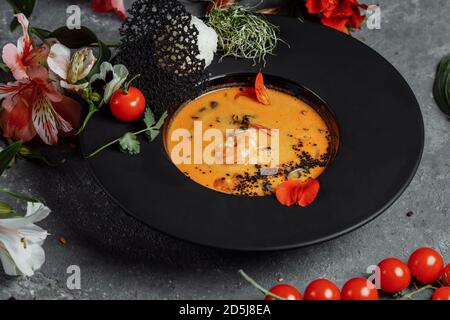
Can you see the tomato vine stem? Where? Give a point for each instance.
(258, 286)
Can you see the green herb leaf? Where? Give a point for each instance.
(5, 209)
(129, 143)
(19, 196)
(21, 6)
(153, 131)
(441, 87)
(161, 120)
(149, 118)
(75, 38)
(151, 134)
(7, 155)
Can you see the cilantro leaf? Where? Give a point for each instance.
(153, 131)
(149, 118)
(129, 143)
(151, 134)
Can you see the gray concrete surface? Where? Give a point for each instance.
(123, 259)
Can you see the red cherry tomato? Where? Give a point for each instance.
(445, 277)
(127, 106)
(285, 291)
(442, 293)
(426, 265)
(322, 289)
(359, 289)
(394, 275)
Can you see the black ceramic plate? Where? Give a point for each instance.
(381, 143)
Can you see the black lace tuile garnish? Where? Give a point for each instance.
(159, 43)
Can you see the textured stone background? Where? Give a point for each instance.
(123, 259)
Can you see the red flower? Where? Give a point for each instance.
(110, 5)
(295, 191)
(35, 106)
(342, 15)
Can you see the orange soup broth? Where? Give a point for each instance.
(303, 139)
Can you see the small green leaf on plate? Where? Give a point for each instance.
(129, 143)
(5, 209)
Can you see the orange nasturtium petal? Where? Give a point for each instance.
(295, 191)
(309, 193)
(287, 191)
(261, 90)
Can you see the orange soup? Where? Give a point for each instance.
(296, 141)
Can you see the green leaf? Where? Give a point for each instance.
(4, 68)
(21, 6)
(151, 134)
(31, 154)
(153, 130)
(441, 87)
(5, 209)
(75, 38)
(41, 33)
(161, 120)
(19, 196)
(149, 118)
(8, 154)
(129, 143)
(104, 54)
(92, 110)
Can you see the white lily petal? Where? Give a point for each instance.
(8, 263)
(16, 249)
(34, 234)
(35, 212)
(21, 240)
(59, 60)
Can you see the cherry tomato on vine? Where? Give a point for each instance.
(322, 289)
(445, 276)
(442, 293)
(394, 275)
(359, 289)
(285, 291)
(426, 265)
(127, 105)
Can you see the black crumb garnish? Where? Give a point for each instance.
(213, 104)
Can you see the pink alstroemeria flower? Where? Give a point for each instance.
(35, 106)
(19, 57)
(109, 5)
